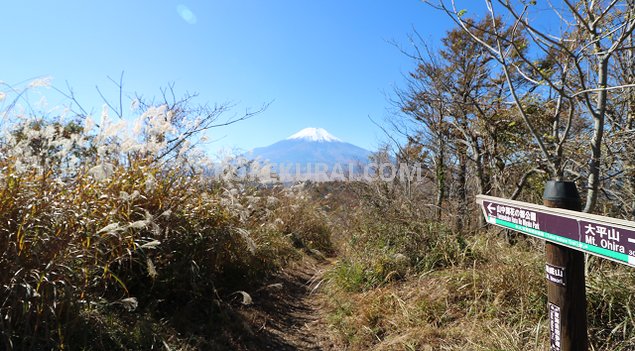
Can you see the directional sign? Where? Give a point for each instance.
(598, 235)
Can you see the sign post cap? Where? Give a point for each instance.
(560, 190)
(563, 194)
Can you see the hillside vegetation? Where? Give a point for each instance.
(404, 281)
(118, 233)
(504, 103)
(117, 238)
(114, 245)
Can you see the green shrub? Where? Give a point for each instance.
(383, 249)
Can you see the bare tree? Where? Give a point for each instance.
(573, 72)
(189, 118)
(456, 98)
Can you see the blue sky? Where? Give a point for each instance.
(324, 63)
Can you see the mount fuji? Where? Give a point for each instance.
(309, 147)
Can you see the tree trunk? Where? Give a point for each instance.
(461, 191)
(482, 182)
(483, 187)
(440, 176)
(593, 181)
(629, 163)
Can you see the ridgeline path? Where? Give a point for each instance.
(286, 314)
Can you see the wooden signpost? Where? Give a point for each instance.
(569, 234)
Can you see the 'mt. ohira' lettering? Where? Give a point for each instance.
(604, 237)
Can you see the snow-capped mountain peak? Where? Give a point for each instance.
(314, 134)
(300, 154)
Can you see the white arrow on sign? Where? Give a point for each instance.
(490, 208)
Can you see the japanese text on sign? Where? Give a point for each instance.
(603, 236)
(554, 323)
(517, 216)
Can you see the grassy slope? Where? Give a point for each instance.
(404, 282)
(401, 280)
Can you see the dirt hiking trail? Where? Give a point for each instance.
(286, 313)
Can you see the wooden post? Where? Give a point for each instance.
(566, 291)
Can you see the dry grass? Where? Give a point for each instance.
(121, 251)
(404, 282)
(456, 307)
(111, 249)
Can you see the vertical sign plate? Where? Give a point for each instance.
(554, 326)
